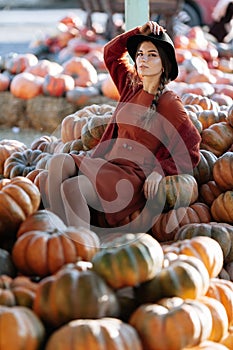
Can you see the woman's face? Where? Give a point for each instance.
(148, 61)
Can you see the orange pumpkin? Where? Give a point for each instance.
(82, 71)
(43, 252)
(18, 63)
(217, 138)
(223, 171)
(44, 67)
(163, 321)
(4, 82)
(20, 328)
(205, 248)
(165, 225)
(208, 192)
(26, 85)
(57, 85)
(222, 207)
(109, 89)
(19, 198)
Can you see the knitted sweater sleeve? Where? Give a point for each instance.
(117, 60)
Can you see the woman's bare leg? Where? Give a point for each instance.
(61, 167)
(77, 193)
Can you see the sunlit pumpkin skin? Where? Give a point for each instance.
(22, 163)
(140, 254)
(208, 345)
(57, 85)
(82, 71)
(19, 198)
(227, 340)
(217, 138)
(72, 124)
(208, 192)
(205, 248)
(193, 116)
(17, 291)
(219, 318)
(205, 102)
(41, 253)
(222, 290)
(101, 334)
(109, 89)
(26, 85)
(183, 276)
(18, 63)
(203, 172)
(223, 171)
(45, 67)
(73, 294)
(209, 117)
(164, 320)
(223, 234)
(165, 225)
(222, 207)
(7, 147)
(175, 191)
(20, 328)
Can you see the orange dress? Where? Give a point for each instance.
(129, 150)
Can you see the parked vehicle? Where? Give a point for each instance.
(198, 12)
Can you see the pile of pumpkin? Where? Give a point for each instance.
(77, 70)
(168, 288)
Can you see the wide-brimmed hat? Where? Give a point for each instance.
(163, 40)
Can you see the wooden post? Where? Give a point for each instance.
(136, 13)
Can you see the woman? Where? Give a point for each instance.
(148, 137)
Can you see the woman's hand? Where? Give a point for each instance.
(151, 27)
(151, 185)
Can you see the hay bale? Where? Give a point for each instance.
(12, 111)
(46, 113)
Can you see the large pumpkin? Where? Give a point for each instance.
(26, 85)
(7, 147)
(217, 138)
(71, 294)
(20, 328)
(165, 225)
(222, 207)
(223, 171)
(19, 198)
(175, 191)
(203, 172)
(223, 234)
(39, 252)
(205, 248)
(82, 71)
(17, 291)
(101, 334)
(208, 192)
(22, 163)
(71, 126)
(57, 85)
(140, 254)
(182, 276)
(172, 323)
